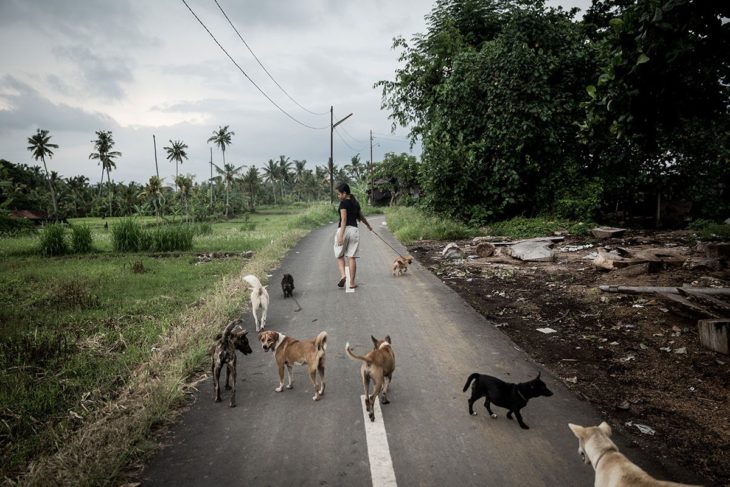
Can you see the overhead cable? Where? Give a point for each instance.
(247, 76)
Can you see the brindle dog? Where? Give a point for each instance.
(224, 353)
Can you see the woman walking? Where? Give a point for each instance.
(347, 238)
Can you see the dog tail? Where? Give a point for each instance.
(228, 330)
(471, 378)
(348, 350)
(254, 282)
(321, 343)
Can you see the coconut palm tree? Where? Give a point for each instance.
(251, 181)
(40, 147)
(228, 174)
(285, 172)
(222, 138)
(355, 168)
(105, 155)
(176, 152)
(271, 171)
(185, 187)
(153, 191)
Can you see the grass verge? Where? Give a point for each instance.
(410, 224)
(104, 429)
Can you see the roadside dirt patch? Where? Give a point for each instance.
(636, 358)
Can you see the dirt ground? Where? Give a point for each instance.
(636, 358)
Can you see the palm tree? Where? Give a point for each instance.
(40, 147)
(271, 171)
(251, 180)
(299, 175)
(355, 168)
(228, 173)
(153, 191)
(185, 186)
(176, 152)
(222, 138)
(105, 155)
(285, 167)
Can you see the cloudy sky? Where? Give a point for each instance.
(140, 68)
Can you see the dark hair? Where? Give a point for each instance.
(345, 188)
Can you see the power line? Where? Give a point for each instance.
(354, 139)
(345, 142)
(247, 76)
(264, 67)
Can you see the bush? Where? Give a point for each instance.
(127, 236)
(81, 238)
(202, 229)
(710, 230)
(53, 240)
(10, 225)
(580, 202)
(171, 238)
(521, 227)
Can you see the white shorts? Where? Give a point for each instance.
(351, 242)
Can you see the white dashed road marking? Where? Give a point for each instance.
(348, 289)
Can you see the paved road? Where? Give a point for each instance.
(283, 439)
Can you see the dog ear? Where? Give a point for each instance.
(605, 428)
(387, 338)
(375, 341)
(577, 430)
(538, 373)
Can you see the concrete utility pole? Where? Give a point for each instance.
(157, 169)
(211, 178)
(371, 166)
(332, 164)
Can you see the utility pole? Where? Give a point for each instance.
(157, 169)
(332, 163)
(210, 182)
(371, 166)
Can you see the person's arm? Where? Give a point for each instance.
(365, 221)
(341, 230)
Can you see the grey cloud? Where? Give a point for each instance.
(30, 110)
(87, 21)
(101, 76)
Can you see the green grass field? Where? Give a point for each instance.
(74, 328)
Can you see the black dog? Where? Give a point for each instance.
(512, 397)
(287, 285)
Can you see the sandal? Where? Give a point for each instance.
(341, 283)
(353, 287)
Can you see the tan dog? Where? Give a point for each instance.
(378, 365)
(612, 468)
(290, 351)
(400, 265)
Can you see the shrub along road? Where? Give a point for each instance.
(287, 439)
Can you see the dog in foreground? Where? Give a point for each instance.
(512, 397)
(400, 265)
(378, 365)
(612, 468)
(224, 353)
(259, 300)
(287, 285)
(289, 351)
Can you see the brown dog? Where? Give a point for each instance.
(400, 265)
(378, 365)
(612, 468)
(290, 351)
(224, 353)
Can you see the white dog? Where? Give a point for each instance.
(259, 299)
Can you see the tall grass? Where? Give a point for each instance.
(171, 238)
(127, 236)
(53, 240)
(81, 240)
(521, 227)
(410, 224)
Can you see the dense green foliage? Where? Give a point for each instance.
(81, 239)
(410, 224)
(520, 227)
(524, 110)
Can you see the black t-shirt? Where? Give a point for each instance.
(353, 209)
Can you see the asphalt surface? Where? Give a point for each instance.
(283, 439)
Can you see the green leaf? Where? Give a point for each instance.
(591, 90)
(643, 58)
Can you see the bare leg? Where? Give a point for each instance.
(353, 269)
(341, 266)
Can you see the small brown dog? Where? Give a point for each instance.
(378, 365)
(290, 351)
(224, 353)
(400, 265)
(612, 468)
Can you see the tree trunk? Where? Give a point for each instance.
(109, 183)
(50, 186)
